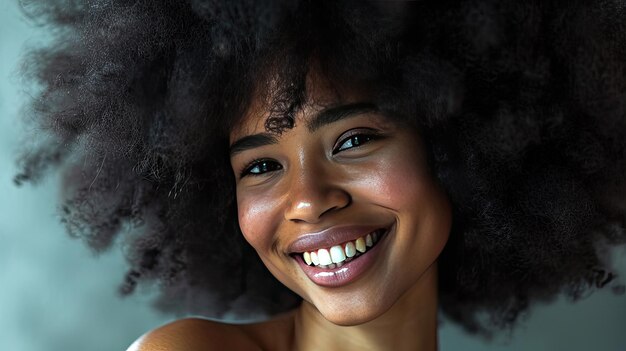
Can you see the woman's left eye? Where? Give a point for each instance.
(354, 140)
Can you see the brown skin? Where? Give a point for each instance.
(411, 324)
(194, 334)
(318, 180)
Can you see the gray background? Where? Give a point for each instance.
(56, 295)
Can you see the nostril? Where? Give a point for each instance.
(309, 206)
(330, 210)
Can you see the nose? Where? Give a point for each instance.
(312, 195)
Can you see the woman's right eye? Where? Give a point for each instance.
(260, 167)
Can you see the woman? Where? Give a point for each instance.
(381, 159)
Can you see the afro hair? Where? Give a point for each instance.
(522, 105)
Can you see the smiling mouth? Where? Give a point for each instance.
(338, 255)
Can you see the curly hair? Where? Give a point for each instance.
(522, 106)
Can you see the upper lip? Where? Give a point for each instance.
(330, 237)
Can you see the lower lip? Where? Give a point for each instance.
(340, 276)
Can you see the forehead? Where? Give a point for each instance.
(320, 95)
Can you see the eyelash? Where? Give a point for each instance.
(257, 163)
(367, 137)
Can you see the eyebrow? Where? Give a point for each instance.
(251, 142)
(323, 118)
(336, 113)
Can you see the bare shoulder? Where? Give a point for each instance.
(192, 334)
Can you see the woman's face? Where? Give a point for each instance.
(309, 198)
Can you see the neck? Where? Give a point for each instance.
(410, 324)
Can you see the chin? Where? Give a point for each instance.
(353, 308)
(349, 319)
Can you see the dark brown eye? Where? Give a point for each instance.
(354, 140)
(259, 167)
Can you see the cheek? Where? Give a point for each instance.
(405, 182)
(395, 181)
(255, 219)
(417, 196)
(258, 220)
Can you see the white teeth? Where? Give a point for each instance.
(314, 258)
(307, 258)
(337, 254)
(360, 245)
(350, 249)
(324, 257)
